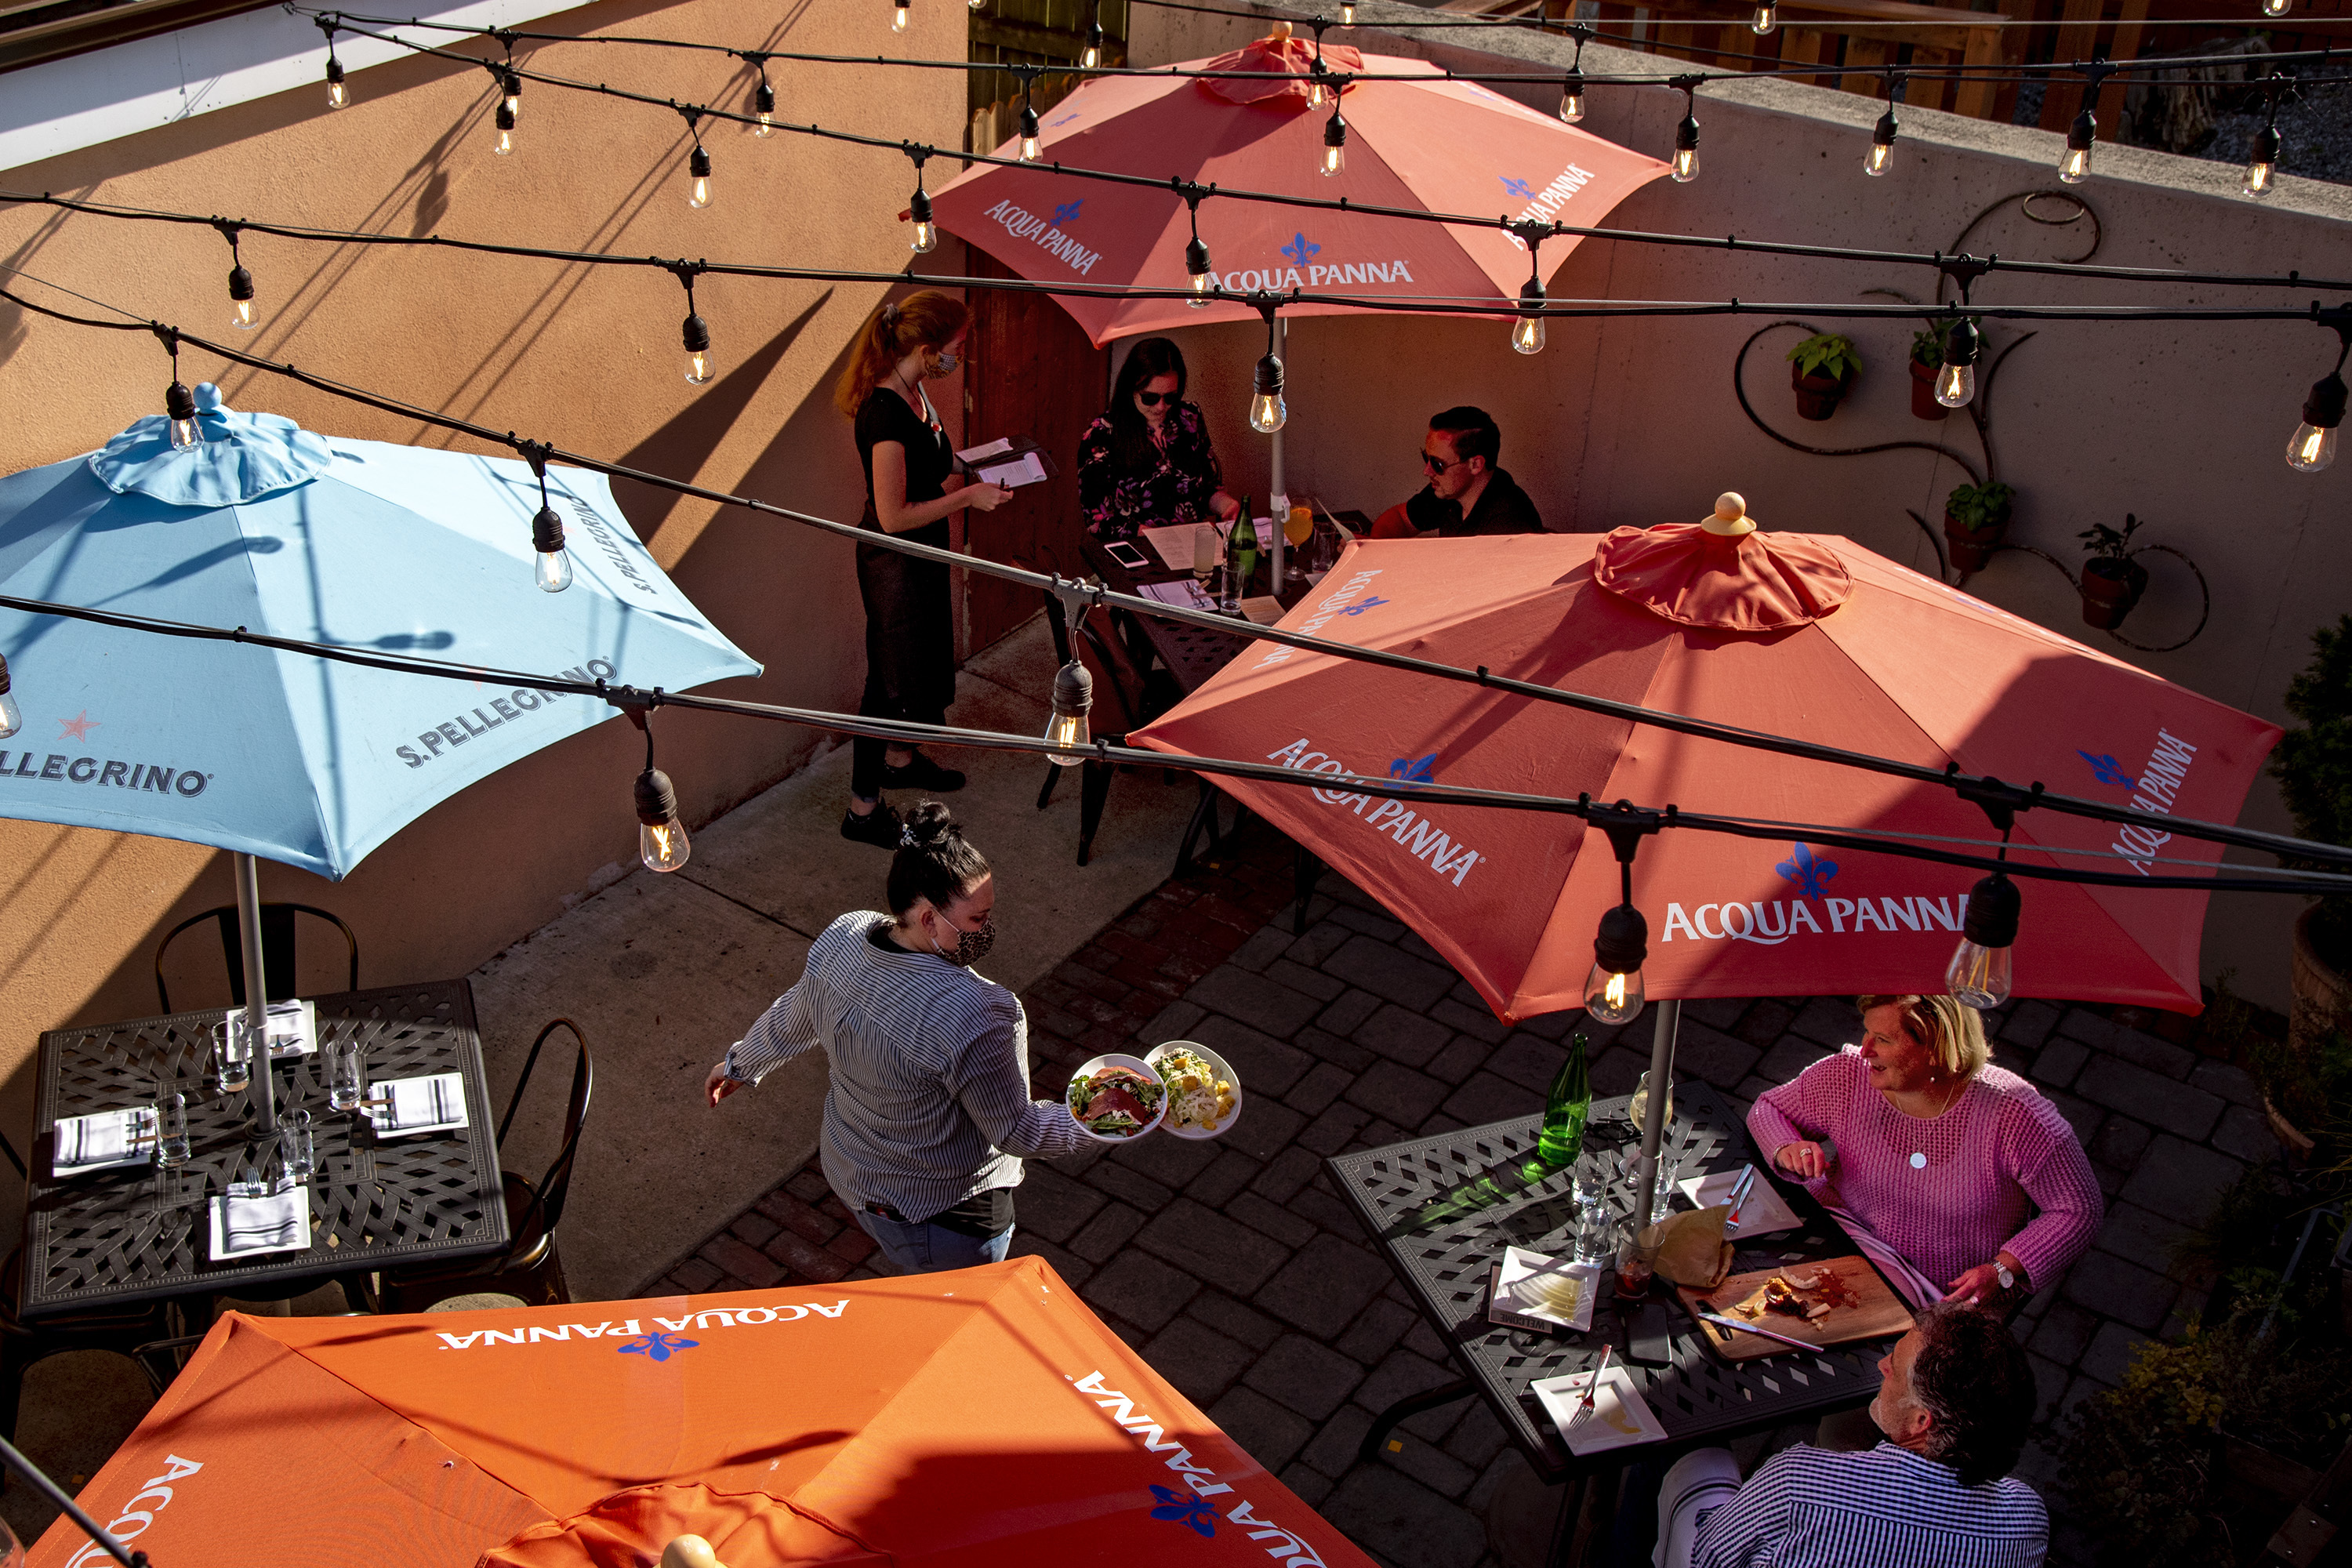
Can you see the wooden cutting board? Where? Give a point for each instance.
(1876, 1311)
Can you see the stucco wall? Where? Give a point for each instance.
(586, 357)
(1635, 420)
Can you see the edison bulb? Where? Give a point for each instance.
(767, 126)
(977, 5)
(2313, 448)
(1978, 976)
(1768, 17)
(1528, 334)
(1685, 165)
(1201, 283)
(11, 718)
(1572, 105)
(184, 435)
(1334, 159)
(514, 100)
(506, 142)
(1347, 13)
(1268, 413)
(2275, 7)
(662, 846)
(2257, 182)
(926, 239)
(555, 571)
(700, 196)
(1031, 149)
(1881, 154)
(2075, 166)
(698, 366)
(1955, 385)
(246, 320)
(338, 95)
(1611, 997)
(898, 15)
(1317, 95)
(1068, 733)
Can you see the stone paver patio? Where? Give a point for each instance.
(1243, 1278)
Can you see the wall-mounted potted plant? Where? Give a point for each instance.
(1926, 359)
(2112, 581)
(1975, 518)
(1821, 368)
(2312, 767)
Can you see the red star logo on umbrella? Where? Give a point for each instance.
(77, 727)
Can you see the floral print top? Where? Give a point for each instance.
(1175, 487)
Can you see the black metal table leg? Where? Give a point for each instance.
(1405, 1409)
(1204, 815)
(1094, 789)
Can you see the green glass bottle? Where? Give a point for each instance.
(1240, 550)
(1566, 1107)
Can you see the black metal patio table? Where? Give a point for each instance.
(1443, 1208)
(139, 1233)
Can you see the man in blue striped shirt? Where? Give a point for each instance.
(1955, 1401)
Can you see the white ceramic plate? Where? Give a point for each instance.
(1119, 1060)
(1619, 1417)
(1225, 1070)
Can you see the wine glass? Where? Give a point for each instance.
(1298, 528)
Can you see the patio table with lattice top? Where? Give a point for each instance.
(139, 1233)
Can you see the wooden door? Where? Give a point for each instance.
(1032, 373)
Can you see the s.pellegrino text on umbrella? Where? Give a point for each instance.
(1567, 1107)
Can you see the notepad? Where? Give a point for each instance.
(1180, 545)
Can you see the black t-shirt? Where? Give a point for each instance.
(885, 416)
(1502, 508)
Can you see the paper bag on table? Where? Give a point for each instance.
(1691, 1249)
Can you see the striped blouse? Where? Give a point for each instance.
(929, 1099)
(1999, 1154)
(1889, 1507)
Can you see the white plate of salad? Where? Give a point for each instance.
(1116, 1098)
(1204, 1093)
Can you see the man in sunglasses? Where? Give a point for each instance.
(1467, 493)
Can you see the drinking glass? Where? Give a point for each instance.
(297, 1153)
(1322, 551)
(1637, 1263)
(1638, 1110)
(171, 1143)
(1595, 1223)
(346, 1074)
(233, 1053)
(1661, 1190)
(1296, 529)
(1208, 552)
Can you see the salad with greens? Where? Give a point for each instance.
(1115, 1101)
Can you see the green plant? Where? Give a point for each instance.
(2101, 543)
(2314, 769)
(1979, 506)
(1928, 348)
(1827, 353)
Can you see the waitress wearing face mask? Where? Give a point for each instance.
(929, 1115)
(910, 492)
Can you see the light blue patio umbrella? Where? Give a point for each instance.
(361, 544)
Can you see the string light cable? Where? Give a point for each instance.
(2015, 798)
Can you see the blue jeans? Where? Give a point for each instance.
(918, 1247)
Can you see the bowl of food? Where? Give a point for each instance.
(1116, 1098)
(1204, 1094)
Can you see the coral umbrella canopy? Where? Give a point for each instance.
(1430, 144)
(980, 1416)
(1866, 654)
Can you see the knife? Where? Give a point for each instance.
(1739, 1194)
(1759, 1333)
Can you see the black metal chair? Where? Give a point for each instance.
(1127, 697)
(277, 949)
(530, 1269)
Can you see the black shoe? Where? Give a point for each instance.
(878, 828)
(921, 774)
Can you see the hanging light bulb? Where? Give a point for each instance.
(698, 165)
(698, 360)
(510, 88)
(1093, 57)
(977, 5)
(11, 718)
(1768, 17)
(1347, 13)
(506, 122)
(1065, 729)
(898, 15)
(661, 837)
(1980, 972)
(2263, 162)
(2314, 446)
(1882, 145)
(763, 104)
(2276, 7)
(1572, 96)
(2075, 166)
(1318, 86)
(1267, 411)
(1196, 265)
(180, 409)
(1957, 382)
(554, 574)
(1031, 148)
(1613, 993)
(1528, 331)
(1335, 143)
(1685, 164)
(927, 233)
(243, 316)
(338, 95)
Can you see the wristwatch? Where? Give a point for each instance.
(2000, 1272)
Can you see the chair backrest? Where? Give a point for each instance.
(546, 1210)
(277, 949)
(1120, 702)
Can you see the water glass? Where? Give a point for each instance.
(1595, 1223)
(172, 1146)
(1661, 1190)
(297, 1156)
(346, 1073)
(233, 1053)
(1637, 1264)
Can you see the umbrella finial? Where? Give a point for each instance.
(1730, 519)
(1280, 33)
(689, 1551)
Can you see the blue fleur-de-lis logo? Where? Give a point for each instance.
(1518, 188)
(1067, 213)
(1810, 875)
(1414, 770)
(2106, 770)
(659, 1346)
(1367, 605)
(1301, 250)
(1183, 1507)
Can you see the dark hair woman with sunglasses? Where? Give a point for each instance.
(1146, 462)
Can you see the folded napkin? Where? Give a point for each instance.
(293, 1029)
(1691, 1249)
(434, 1104)
(104, 1139)
(246, 1226)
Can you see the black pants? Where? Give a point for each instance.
(909, 650)
(866, 757)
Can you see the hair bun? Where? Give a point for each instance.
(927, 826)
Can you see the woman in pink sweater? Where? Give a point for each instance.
(1959, 1168)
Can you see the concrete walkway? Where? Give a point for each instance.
(1243, 1278)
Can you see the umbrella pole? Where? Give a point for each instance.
(264, 1091)
(1274, 486)
(1653, 1128)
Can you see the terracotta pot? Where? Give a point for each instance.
(1923, 394)
(2291, 1139)
(1971, 548)
(2323, 993)
(2110, 589)
(1817, 395)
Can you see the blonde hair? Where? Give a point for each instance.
(1951, 1029)
(927, 319)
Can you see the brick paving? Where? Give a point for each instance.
(1242, 1276)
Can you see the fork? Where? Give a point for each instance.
(1584, 1407)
